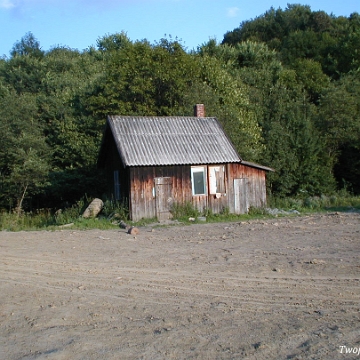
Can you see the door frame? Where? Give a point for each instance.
(163, 198)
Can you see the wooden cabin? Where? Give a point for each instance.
(154, 162)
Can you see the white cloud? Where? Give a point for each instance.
(20, 4)
(232, 12)
(6, 4)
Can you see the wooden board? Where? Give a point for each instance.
(241, 196)
(163, 197)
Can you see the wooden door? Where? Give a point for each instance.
(163, 197)
(241, 196)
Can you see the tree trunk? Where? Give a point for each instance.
(20, 202)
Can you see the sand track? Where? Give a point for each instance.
(277, 289)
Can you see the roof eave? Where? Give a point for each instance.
(257, 166)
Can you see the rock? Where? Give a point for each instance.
(133, 231)
(316, 262)
(123, 225)
(93, 209)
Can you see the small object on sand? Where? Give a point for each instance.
(133, 231)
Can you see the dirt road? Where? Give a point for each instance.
(284, 288)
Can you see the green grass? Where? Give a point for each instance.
(69, 218)
(187, 214)
(113, 212)
(337, 202)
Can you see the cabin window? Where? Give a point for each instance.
(198, 180)
(116, 185)
(217, 179)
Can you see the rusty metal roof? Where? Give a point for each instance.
(171, 140)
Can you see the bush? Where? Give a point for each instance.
(71, 214)
(115, 209)
(256, 211)
(340, 199)
(26, 221)
(185, 210)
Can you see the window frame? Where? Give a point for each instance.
(217, 179)
(203, 170)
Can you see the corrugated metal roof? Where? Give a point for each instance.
(173, 140)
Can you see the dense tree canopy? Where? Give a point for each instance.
(285, 87)
(320, 53)
(298, 33)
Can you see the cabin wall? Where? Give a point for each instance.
(137, 186)
(142, 195)
(255, 185)
(142, 188)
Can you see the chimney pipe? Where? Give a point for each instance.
(199, 110)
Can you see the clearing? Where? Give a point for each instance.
(285, 288)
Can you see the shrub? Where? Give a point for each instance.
(184, 210)
(26, 221)
(115, 209)
(253, 211)
(340, 199)
(72, 213)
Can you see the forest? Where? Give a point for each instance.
(284, 85)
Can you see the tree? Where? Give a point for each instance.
(339, 113)
(140, 78)
(229, 99)
(347, 50)
(71, 131)
(25, 70)
(284, 114)
(24, 154)
(339, 120)
(320, 64)
(27, 46)
(298, 33)
(309, 73)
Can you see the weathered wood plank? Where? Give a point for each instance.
(142, 201)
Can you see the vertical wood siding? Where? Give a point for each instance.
(256, 184)
(142, 201)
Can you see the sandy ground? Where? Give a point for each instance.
(276, 289)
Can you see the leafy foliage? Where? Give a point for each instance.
(184, 211)
(285, 87)
(317, 64)
(24, 156)
(298, 33)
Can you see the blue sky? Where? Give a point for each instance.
(79, 23)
